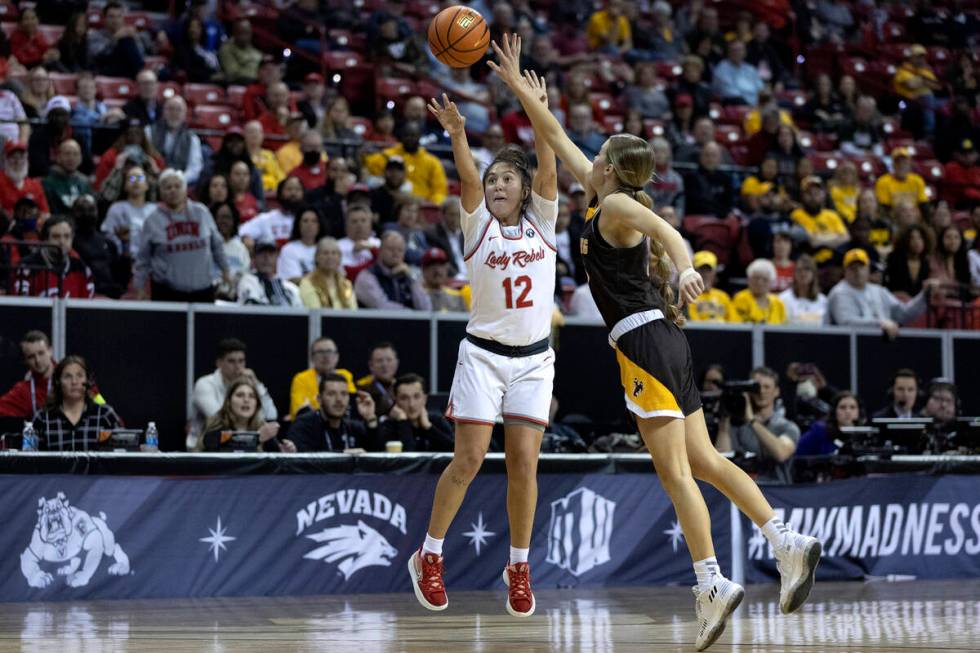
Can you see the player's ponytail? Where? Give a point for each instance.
(633, 161)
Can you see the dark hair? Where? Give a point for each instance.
(225, 419)
(961, 262)
(381, 345)
(229, 345)
(236, 217)
(35, 336)
(322, 227)
(408, 379)
(54, 221)
(282, 184)
(204, 189)
(333, 377)
(905, 373)
(56, 397)
(937, 385)
(767, 372)
(514, 156)
(901, 249)
(832, 426)
(112, 4)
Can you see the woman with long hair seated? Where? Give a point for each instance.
(241, 411)
(73, 416)
(823, 437)
(327, 286)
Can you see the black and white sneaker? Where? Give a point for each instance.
(713, 607)
(796, 559)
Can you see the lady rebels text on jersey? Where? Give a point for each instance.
(512, 273)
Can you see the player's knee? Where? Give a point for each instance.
(705, 468)
(521, 470)
(467, 464)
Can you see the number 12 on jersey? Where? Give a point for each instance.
(522, 283)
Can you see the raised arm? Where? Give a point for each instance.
(545, 182)
(471, 186)
(546, 126)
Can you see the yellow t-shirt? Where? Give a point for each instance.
(753, 121)
(891, 190)
(746, 309)
(845, 201)
(825, 223)
(600, 25)
(711, 306)
(289, 156)
(268, 165)
(907, 72)
(422, 169)
(305, 389)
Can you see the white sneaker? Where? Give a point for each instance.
(796, 559)
(713, 607)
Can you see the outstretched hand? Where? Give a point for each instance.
(537, 85)
(448, 115)
(508, 64)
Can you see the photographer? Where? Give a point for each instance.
(772, 438)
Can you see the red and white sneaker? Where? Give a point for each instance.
(520, 598)
(426, 573)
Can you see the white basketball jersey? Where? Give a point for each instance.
(512, 273)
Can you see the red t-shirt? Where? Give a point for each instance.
(271, 124)
(311, 177)
(9, 193)
(29, 50)
(784, 277)
(248, 207)
(75, 279)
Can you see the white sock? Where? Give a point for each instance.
(773, 531)
(433, 545)
(706, 570)
(518, 555)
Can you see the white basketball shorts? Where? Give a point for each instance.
(487, 386)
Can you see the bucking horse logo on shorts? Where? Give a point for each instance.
(637, 387)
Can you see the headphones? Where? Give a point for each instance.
(942, 383)
(905, 372)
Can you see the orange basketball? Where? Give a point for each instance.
(458, 36)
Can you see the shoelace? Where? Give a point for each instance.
(432, 575)
(520, 584)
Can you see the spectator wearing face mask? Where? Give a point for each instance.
(111, 267)
(312, 172)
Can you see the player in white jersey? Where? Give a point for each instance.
(506, 367)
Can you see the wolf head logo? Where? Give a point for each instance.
(637, 387)
(355, 546)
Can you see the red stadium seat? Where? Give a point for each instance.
(362, 126)
(340, 61)
(428, 89)
(110, 88)
(204, 94)
(714, 111)
(653, 127)
(604, 103)
(728, 134)
(825, 142)
(718, 235)
(669, 70)
(431, 212)
(154, 63)
(824, 163)
(8, 10)
(393, 91)
(169, 90)
(806, 139)
(51, 32)
(213, 117)
(868, 167)
(931, 170)
(791, 99)
(140, 20)
(612, 125)
(64, 84)
(894, 31)
(734, 114)
(236, 96)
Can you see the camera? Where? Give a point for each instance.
(733, 399)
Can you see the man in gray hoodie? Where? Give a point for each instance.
(855, 302)
(178, 243)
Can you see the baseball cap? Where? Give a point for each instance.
(434, 255)
(576, 188)
(395, 162)
(812, 180)
(917, 50)
(313, 78)
(704, 258)
(684, 100)
(901, 151)
(13, 146)
(265, 245)
(756, 188)
(57, 102)
(856, 255)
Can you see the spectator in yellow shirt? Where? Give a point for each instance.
(423, 170)
(901, 184)
(289, 155)
(609, 29)
(713, 305)
(265, 160)
(844, 189)
(756, 304)
(915, 81)
(304, 392)
(824, 228)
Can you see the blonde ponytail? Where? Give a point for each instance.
(661, 277)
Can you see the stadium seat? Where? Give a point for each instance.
(604, 103)
(734, 114)
(170, 89)
(236, 96)
(868, 167)
(393, 90)
(806, 140)
(894, 31)
(612, 125)
(204, 94)
(824, 163)
(154, 63)
(112, 88)
(213, 117)
(714, 111)
(362, 126)
(432, 213)
(791, 99)
(931, 170)
(138, 19)
(669, 70)
(653, 127)
(719, 235)
(340, 61)
(64, 84)
(728, 134)
(8, 10)
(51, 32)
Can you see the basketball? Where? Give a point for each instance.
(458, 36)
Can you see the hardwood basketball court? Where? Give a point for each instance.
(872, 617)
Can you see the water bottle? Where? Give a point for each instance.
(152, 437)
(29, 440)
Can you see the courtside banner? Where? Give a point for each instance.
(886, 527)
(72, 537)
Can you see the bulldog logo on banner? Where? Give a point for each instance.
(66, 534)
(580, 531)
(355, 544)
